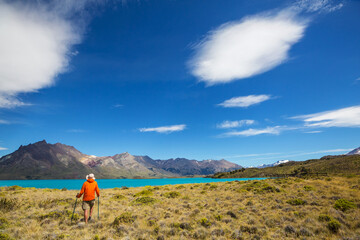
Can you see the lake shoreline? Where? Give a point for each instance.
(73, 184)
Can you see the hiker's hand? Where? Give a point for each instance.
(78, 195)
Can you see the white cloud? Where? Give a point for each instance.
(36, 45)
(164, 129)
(325, 6)
(289, 154)
(2, 148)
(9, 101)
(4, 121)
(235, 124)
(314, 132)
(245, 101)
(253, 132)
(76, 131)
(344, 117)
(251, 46)
(118, 106)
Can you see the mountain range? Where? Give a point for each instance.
(42, 160)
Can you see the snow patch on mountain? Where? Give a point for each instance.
(273, 164)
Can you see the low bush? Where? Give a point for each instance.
(8, 204)
(125, 217)
(118, 197)
(205, 222)
(308, 188)
(324, 218)
(296, 201)
(231, 214)
(4, 236)
(145, 192)
(3, 223)
(145, 200)
(172, 194)
(333, 225)
(344, 205)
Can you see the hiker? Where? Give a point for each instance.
(88, 189)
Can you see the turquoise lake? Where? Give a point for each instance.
(73, 184)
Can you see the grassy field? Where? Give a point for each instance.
(285, 208)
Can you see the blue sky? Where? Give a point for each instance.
(249, 81)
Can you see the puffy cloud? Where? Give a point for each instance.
(164, 129)
(235, 124)
(344, 117)
(251, 46)
(35, 44)
(253, 132)
(245, 101)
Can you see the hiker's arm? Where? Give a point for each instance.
(81, 191)
(97, 190)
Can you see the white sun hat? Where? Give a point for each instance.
(91, 175)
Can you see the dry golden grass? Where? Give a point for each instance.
(288, 208)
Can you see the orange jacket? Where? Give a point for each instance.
(88, 189)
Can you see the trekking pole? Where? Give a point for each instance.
(98, 207)
(73, 211)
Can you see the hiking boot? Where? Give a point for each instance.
(89, 218)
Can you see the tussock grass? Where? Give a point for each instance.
(285, 208)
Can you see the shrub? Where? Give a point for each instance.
(172, 194)
(213, 186)
(145, 192)
(218, 217)
(296, 201)
(8, 204)
(308, 188)
(185, 226)
(125, 217)
(344, 205)
(15, 188)
(289, 229)
(205, 222)
(4, 236)
(248, 229)
(54, 214)
(180, 187)
(231, 214)
(324, 218)
(118, 197)
(333, 225)
(124, 187)
(145, 200)
(3, 223)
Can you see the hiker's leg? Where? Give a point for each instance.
(91, 210)
(86, 215)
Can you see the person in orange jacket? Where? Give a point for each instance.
(88, 189)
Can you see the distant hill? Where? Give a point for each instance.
(42, 160)
(331, 165)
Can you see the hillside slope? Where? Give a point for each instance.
(332, 165)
